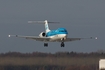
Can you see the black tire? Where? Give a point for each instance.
(62, 44)
(45, 44)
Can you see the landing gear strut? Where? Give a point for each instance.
(62, 44)
(45, 44)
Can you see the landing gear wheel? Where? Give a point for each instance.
(45, 44)
(62, 44)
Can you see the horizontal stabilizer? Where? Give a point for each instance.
(36, 22)
(41, 22)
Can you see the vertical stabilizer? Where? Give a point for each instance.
(46, 26)
(43, 22)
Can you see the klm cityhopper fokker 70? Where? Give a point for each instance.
(59, 35)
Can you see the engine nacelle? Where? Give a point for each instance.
(42, 34)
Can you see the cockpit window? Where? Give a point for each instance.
(62, 30)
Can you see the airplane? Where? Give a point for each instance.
(58, 35)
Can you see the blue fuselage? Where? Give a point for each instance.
(59, 31)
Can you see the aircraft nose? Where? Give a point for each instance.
(65, 36)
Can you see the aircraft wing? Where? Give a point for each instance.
(47, 39)
(32, 37)
(74, 39)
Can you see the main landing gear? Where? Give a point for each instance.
(62, 44)
(45, 44)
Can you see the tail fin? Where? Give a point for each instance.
(42, 22)
(46, 26)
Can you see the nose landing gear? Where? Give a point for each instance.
(62, 43)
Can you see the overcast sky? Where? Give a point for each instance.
(82, 18)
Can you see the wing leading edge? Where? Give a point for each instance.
(48, 39)
(32, 37)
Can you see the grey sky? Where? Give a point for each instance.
(82, 18)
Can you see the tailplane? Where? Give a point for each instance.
(45, 22)
(42, 22)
